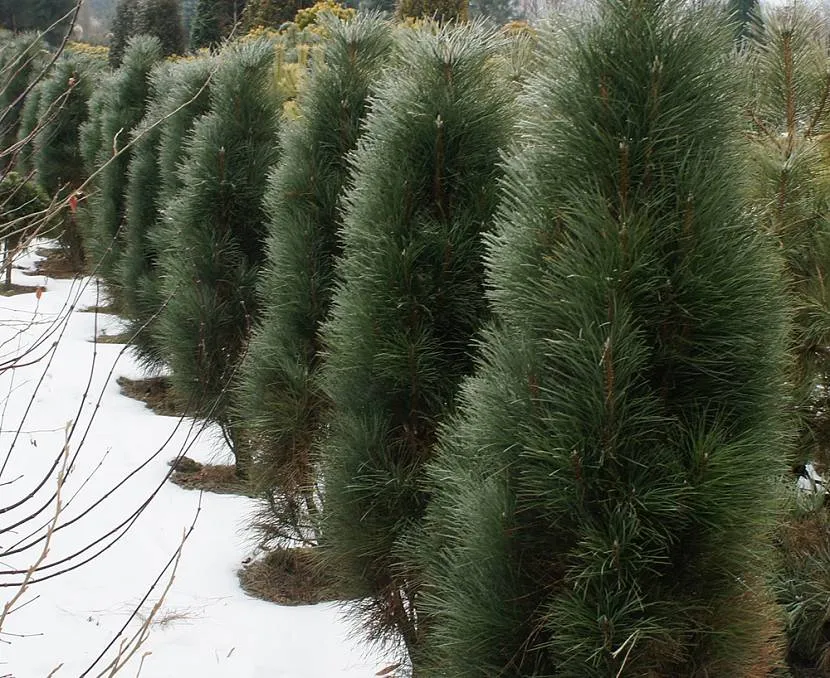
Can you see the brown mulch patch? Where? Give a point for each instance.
(216, 478)
(111, 309)
(292, 576)
(14, 289)
(155, 392)
(120, 338)
(55, 264)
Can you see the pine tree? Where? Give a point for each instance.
(37, 15)
(163, 18)
(123, 28)
(28, 130)
(213, 21)
(279, 397)
(786, 71)
(213, 258)
(271, 13)
(64, 96)
(179, 96)
(786, 75)
(21, 201)
(122, 108)
(440, 10)
(603, 499)
(409, 304)
(22, 57)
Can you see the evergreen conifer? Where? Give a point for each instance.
(179, 96)
(122, 107)
(603, 499)
(63, 109)
(409, 302)
(212, 261)
(123, 28)
(279, 397)
(163, 18)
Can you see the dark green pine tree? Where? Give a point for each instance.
(122, 107)
(789, 186)
(179, 94)
(37, 15)
(21, 59)
(279, 398)
(603, 499)
(409, 305)
(90, 131)
(216, 247)
(163, 18)
(786, 75)
(213, 21)
(123, 28)
(27, 131)
(63, 109)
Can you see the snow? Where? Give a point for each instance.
(207, 625)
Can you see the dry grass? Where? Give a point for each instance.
(155, 392)
(13, 289)
(54, 264)
(290, 577)
(219, 479)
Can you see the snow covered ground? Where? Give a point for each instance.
(207, 625)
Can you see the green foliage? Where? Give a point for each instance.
(160, 18)
(64, 96)
(163, 19)
(36, 15)
(213, 21)
(440, 10)
(216, 247)
(786, 69)
(27, 130)
(179, 94)
(279, 398)
(603, 499)
(271, 13)
(744, 13)
(409, 304)
(21, 59)
(802, 584)
(123, 28)
(20, 202)
(121, 108)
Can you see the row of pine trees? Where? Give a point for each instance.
(523, 329)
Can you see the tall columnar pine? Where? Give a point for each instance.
(63, 108)
(21, 59)
(217, 249)
(163, 18)
(787, 69)
(123, 106)
(602, 500)
(27, 131)
(279, 397)
(409, 303)
(789, 185)
(179, 96)
(123, 28)
(213, 21)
